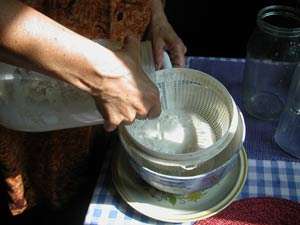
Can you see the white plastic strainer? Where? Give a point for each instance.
(195, 93)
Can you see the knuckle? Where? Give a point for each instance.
(115, 121)
(129, 117)
(180, 45)
(143, 111)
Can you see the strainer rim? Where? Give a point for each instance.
(215, 148)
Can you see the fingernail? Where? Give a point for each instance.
(109, 128)
(158, 66)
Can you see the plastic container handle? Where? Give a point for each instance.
(166, 61)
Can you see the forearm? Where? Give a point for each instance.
(34, 41)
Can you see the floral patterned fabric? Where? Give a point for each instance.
(109, 19)
(51, 166)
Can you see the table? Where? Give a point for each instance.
(271, 172)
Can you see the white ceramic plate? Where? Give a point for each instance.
(177, 208)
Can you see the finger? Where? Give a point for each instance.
(147, 100)
(110, 123)
(178, 59)
(139, 117)
(109, 127)
(142, 109)
(113, 122)
(177, 53)
(129, 116)
(158, 50)
(154, 111)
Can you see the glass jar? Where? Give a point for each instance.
(287, 134)
(272, 54)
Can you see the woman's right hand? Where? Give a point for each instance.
(34, 41)
(125, 92)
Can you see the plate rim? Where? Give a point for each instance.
(236, 190)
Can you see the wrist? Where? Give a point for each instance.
(107, 63)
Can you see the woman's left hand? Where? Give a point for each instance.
(164, 37)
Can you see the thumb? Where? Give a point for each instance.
(158, 50)
(109, 127)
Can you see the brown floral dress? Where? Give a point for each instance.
(50, 166)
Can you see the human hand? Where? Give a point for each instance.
(164, 37)
(121, 89)
(125, 91)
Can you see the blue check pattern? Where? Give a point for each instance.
(266, 178)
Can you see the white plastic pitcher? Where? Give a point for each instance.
(33, 102)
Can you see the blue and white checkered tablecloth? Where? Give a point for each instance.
(266, 178)
(271, 172)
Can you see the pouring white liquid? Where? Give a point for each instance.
(34, 102)
(174, 132)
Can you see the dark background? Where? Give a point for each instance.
(208, 28)
(217, 28)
